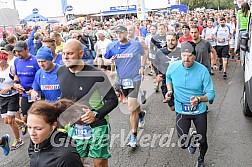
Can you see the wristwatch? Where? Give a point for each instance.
(96, 115)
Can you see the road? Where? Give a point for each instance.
(229, 132)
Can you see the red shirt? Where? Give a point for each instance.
(183, 39)
(200, 29)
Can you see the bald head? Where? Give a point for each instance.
(73, 43)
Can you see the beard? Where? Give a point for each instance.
(124, 40)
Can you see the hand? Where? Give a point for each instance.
(112, 59)
(168, 95)
(159, 78)
(215, 67)
(28, 92)
(221, 41)
(88, 117)
(194, 101)
(19, 88)
(4, 91)
(34, 95)
(141, 72)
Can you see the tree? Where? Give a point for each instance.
(223, 4)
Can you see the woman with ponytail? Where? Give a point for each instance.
(50, 147)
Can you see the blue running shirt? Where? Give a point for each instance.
(128, 61)
(47, 83)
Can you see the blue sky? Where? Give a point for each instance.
(52, 8)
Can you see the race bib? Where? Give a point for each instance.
(188, 108)
(127, 83)
(81, 132)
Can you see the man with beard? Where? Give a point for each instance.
(130, 59)
(164, 57)
(203, 50)
(222, 35)
(25, 67)
(193, 87)
(206, 34)
(90, 86)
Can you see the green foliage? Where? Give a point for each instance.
(223, 4)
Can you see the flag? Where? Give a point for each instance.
(64, 5)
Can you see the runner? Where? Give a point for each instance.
(50, 43)
(222, 34)
(9, 98)
(25, 67)
(88, 85)
(46, 82)
(164, 58)
(130, 69)
(191, 92)
(48, 146)
(206, 34)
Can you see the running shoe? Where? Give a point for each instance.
(5, 144)
(192, 149)
(224, 75)
(24, 130)
(220, 67)
(141, 120)
(200, 161)
(16, 144)
(133, 141)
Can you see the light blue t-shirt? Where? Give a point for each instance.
(128, 61)
(47, 83)
(188, 82)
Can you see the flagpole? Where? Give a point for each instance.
(14, 4)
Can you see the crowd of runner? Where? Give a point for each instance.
(70, 68)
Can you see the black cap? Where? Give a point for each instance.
(20, 45)
(186, 26)
(8, 47)
(121, 28)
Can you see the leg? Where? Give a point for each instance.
(200, 122)
(100, 162)
(134, 109)
(183, 124)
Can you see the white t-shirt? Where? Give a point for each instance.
(102, 45)
(222, 33)
(206, 33)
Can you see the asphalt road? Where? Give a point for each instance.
(229, 132)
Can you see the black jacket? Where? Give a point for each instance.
(56, 151)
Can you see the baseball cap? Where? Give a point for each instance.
(121, 28)
(20, 45)
(187, 47)
(8, 47)
(44, 53)
(176, 25)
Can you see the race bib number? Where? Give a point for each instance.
(81, 132)
(188, 108)
(127, 83)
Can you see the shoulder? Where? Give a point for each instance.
(173, 66)
(200, 67)
(62, 69)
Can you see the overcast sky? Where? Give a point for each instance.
(52, 8)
